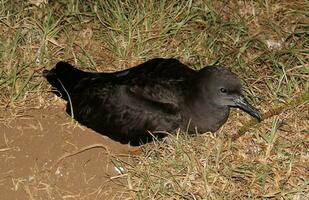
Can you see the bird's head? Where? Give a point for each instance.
(223, 88)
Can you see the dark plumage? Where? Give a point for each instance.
(157, 96)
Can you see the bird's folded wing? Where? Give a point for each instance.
(157, 97)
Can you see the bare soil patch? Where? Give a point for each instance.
(44, 155)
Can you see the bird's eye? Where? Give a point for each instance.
(223, 90)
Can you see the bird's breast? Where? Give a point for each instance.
(205, 119)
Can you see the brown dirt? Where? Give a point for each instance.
(44, 155)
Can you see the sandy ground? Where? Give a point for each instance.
(43, 155)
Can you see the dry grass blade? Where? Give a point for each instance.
(67, 155)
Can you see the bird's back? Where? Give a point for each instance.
(158, 69)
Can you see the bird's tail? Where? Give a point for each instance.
(64, 77)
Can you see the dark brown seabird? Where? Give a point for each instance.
(157, 96)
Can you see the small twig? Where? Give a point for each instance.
(67, 155)
(275, 111)
(118, 176)
(6, 149)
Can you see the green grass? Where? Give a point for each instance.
(264, 42)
